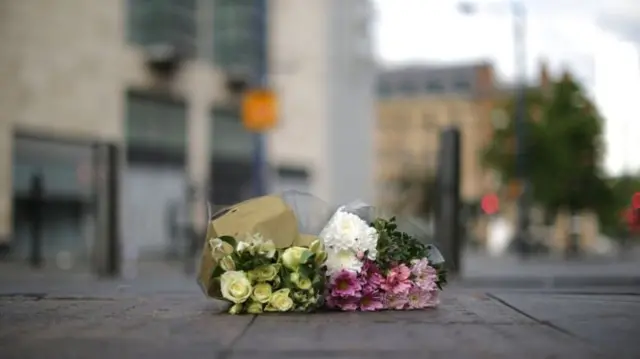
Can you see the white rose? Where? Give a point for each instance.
(235, 286)
(242, 246)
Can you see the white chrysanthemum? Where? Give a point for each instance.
(369, 243)
(338, 260)
(346, 231)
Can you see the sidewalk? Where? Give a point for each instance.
(468, 324)
(162, 314)
(481, 270)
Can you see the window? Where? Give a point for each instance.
(385, 89)
(461, 85)
(156, 123)
(434, 86)
(229, 138)
(163, 21)
(237, 41)
(408, 88)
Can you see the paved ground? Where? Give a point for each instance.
(162, 314)
(469, 324)
(538, 272)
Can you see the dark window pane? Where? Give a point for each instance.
(237, 42)
(408, 88)
(230, 139)
(462, 85)
(163, 21)
(435, 86)
(385, 89)
(156, 123)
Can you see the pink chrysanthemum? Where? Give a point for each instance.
(425, 276)
(347, 304)
(417, 298)
(397, 280)
(371, 301)
(345, 284)
(433, 299)
(370, 277)
(395, 301)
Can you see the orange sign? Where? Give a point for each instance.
(259, 110)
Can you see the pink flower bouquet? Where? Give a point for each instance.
(373, 266)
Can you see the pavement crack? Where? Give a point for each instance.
(529, 316)
(228, 350)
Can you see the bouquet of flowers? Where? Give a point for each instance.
(264, 255)
(292, 253)
(374, 266)
(256, 277)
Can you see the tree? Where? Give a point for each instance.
(562, 153)
(612, 220)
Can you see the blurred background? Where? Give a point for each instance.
(512, 121)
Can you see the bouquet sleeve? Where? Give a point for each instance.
(267, 215)
(290, 219)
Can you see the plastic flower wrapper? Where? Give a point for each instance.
(256, 258)
(312, 213)
(376, 262)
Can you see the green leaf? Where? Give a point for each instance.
(214, 289)
(306, 271)
(306, 257)
(217, 272)
(228, 239)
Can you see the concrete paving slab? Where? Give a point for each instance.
(608, 321)
(467, 325)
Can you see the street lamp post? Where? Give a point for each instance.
(518, 12)
(259, 160)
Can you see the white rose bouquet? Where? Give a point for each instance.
(255, 277)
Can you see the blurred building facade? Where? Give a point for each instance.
(156, 79)
(415, 104)
(323, 65)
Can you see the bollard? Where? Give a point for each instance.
(447, 208)
(113, 186)
(36, 202)
(107, 256)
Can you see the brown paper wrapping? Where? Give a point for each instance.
(269, 215)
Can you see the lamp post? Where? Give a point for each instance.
(518, 13)
(259, 158)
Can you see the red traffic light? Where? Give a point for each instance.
(635, 200)
(632, 217)
(490, 204)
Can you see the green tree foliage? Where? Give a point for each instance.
(563, 149)
(611, 218)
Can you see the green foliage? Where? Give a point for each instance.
(395, 247)
(246, 261)
(562, 152)
(622, 189)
